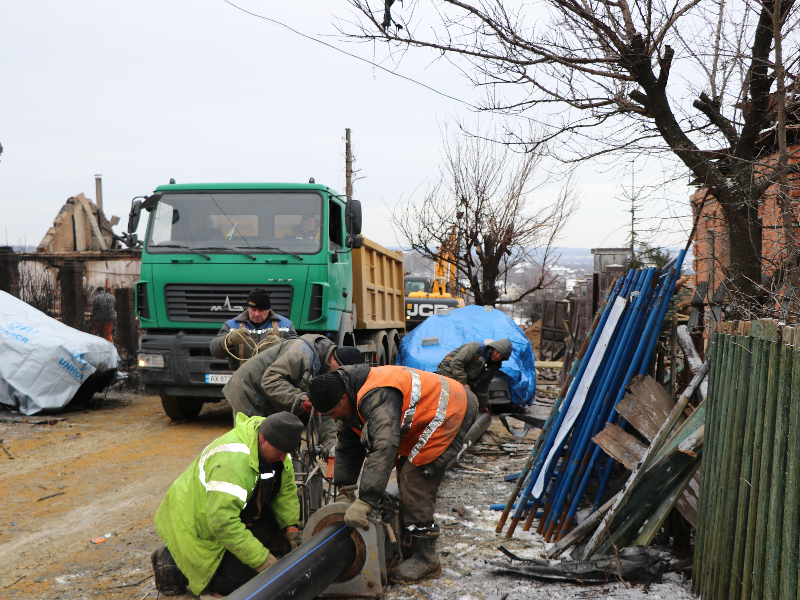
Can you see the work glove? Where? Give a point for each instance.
(328, 450)
(239, 336)
(307, 406)
(271, 560)
(345, 496)
(356, 514)
(295, 538)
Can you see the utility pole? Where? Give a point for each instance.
(633, 231)
(348, 169)
(633, 220)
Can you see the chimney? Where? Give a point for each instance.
(98, 188)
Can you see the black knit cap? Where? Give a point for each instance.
(282, 430)
(347, 355)
(326, 391)
(259, 299)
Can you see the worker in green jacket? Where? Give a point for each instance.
(234, 507)
(277, 379)
(475, 364)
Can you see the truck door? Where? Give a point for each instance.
(341, 298)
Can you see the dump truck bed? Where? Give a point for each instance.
(378, 287)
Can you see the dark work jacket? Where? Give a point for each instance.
(257, 332)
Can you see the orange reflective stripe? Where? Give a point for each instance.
(433, 409)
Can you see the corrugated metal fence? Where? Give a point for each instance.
(747, 534)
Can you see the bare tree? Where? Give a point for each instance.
(605, 71)
(481, 212)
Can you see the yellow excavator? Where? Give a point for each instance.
(426, 297)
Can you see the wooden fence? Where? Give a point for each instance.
(747, 535)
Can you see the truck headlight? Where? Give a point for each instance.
(151, 361)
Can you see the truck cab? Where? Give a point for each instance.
(207, 245)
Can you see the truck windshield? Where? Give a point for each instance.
(265, 222)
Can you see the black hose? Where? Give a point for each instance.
(306, 571)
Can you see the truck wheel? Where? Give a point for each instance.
(181, 409)
(391, 339)
(380, 356)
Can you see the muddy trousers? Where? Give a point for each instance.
(231, 572)
(420, 484)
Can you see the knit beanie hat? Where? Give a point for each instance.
(259, 299)
(326, 391)
(347, 355)
(283, 430)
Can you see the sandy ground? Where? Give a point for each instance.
(110, 466)
(105, 469)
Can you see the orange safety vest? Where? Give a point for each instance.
(433, 409)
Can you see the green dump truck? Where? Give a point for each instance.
(208, 245)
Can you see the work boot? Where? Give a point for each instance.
(169, 579)
(424, 562)
(406, 544)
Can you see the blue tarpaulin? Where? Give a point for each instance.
(473, 324)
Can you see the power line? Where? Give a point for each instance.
(369, 62)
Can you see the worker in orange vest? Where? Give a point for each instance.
(396, 415)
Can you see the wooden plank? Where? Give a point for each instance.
(767, 330)
(646, 406)
(732, 458)
(745, 475)
(577, 534)
(718, 475)
(694, 441)
(774, 540)
(92, 221)
(688, 503)
(791, 516)
(621, 445)
(765, 473)
(648, 494)
(692, 357)
(687, 429)
(630, 485)
(705, 524)
(768, 351)
(549, 364)
(79, 226)
(659, 515)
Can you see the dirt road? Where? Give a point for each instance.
(101, 470)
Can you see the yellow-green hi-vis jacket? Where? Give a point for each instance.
(199, 517)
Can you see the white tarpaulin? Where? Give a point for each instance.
(583, 389)
(42, 361)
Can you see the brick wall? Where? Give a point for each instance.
(711, 258)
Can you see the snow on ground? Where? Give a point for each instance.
(468, 542)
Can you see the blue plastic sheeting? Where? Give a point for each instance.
(473, 324)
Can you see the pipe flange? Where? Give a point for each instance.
(337, 516)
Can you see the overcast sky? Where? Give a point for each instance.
(199, 91)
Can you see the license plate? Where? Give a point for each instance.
(217, 378)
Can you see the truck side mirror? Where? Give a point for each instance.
(354, 241)
(134, 215)
(352, 217)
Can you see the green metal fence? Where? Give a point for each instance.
(747, 532)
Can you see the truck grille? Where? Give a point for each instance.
(196, 303)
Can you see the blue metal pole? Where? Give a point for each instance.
(546, 447)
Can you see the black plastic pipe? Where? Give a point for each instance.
(306, 571)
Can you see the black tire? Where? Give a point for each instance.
(181, 409)
(391, 340)
(380, 356)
